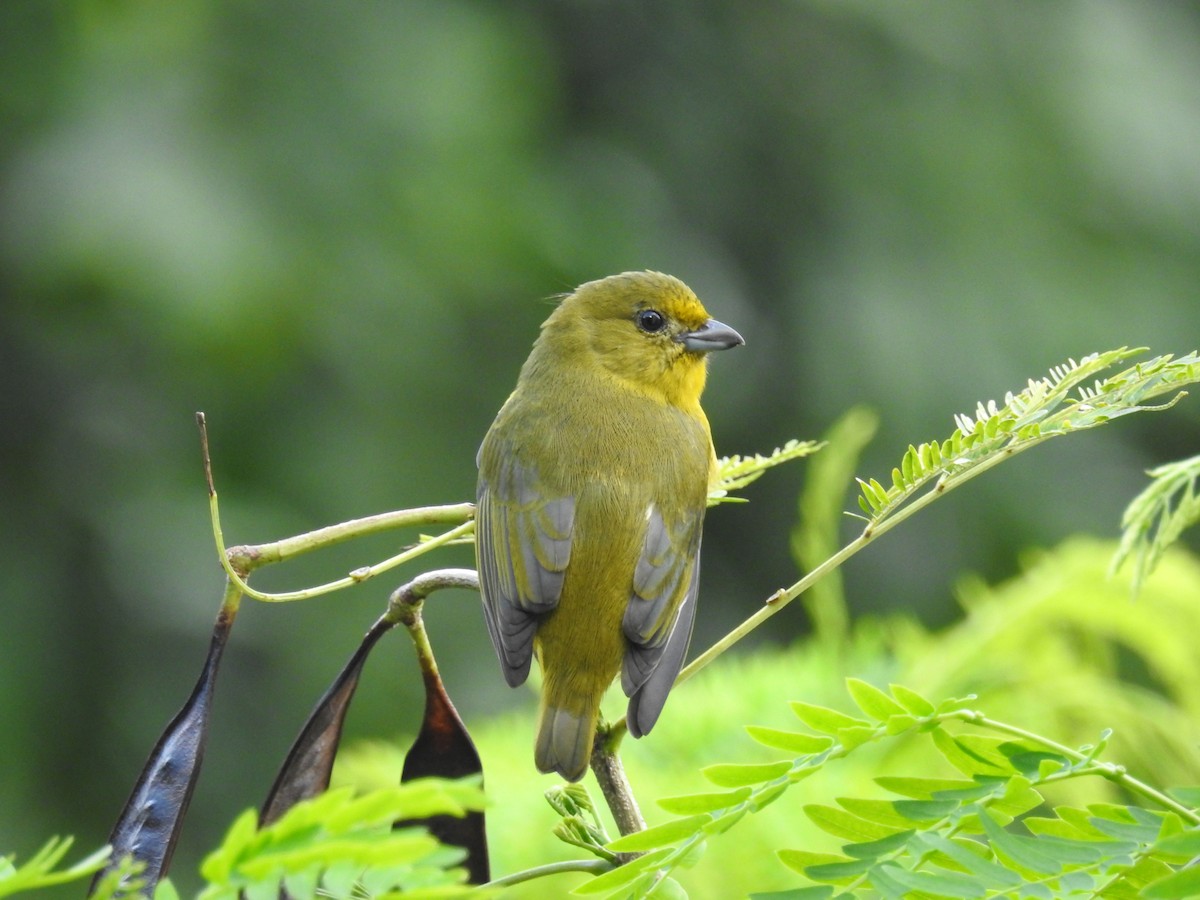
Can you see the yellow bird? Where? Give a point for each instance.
(593, 482)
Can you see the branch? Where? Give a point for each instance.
(238, 562)
(1044, 409)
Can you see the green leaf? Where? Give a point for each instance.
(721, 824)
(817, 892)
(846, 825)
(823, 719)
(1075, 883)
(1142, 834)
(901, 723)
(1127, 823)
(966, 756)
(1186, 843)
(876, 849)
(1040, 825)
(39, 870)
(982, 786)
(733, 775)
(910, 465)
(1188, 796)
(1113, 812)
(1074, 852)
(668, 889)
(839, 872)
(990, 751)
(879, 491)
(881, 811)
(799, 860)
(767, 795)
(925, 811)
(1081, 820)
(735, 472)
(624, 875)
(690, 804)
(953, 704)
(987, 872)
(218, 865)
(1025, 852)
(856, 736)
(1062, 828)
(801, 772)
(1033, 763)
(869, 499)
(1171, 825)
(1184, 883)
(887, 886)
(922, 788)
(689, 854)
(872, 701)
(797, 742)
(938, 882)
(1146, 870)
(660, 835)
(1019, 797)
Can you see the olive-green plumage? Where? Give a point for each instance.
(592, 488)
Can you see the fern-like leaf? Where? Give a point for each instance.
(974, 836)
(40, 870)
(735, 472)
(1157, 516)
(1057, 404)
(339, 844)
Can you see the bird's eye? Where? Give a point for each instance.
(650, 321)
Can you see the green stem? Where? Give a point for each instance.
(1110, 771)
(875, 529)
(282, 550)
(240, 561)
(248, 558)
(589, 866)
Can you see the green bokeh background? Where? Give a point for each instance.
(334, 227)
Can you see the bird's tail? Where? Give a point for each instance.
(564, 741)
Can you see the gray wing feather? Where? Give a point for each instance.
(656, 579)
(646, 702)
(523, 545)
(654, 621)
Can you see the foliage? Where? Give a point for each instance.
(1054, 647)
(1044, 409)
(332, 228)
(1158, 516)
(882, 855)
(340, 844)
(343, 845)
(40, 872)
(736, 472)
(941, 837)
(998, 827)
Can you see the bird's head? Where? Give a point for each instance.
(645, 328)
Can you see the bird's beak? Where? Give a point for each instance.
(710, 336)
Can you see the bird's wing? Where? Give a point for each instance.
(658, 620)
(523, 544)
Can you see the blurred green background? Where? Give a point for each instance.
(334, 227)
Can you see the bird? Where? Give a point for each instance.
(593, 483)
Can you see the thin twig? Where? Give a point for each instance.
(588, 866)
(614, 785)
